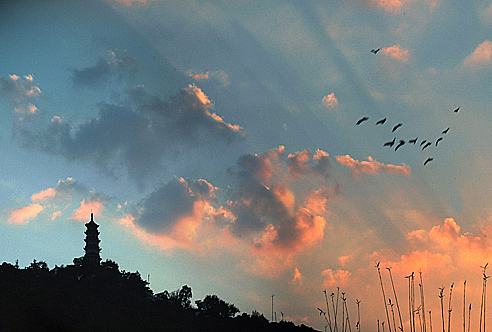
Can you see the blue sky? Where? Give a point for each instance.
(216, 143)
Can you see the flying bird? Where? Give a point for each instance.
(390, 143)
(445, 131)
(365, 118)
(426, 145)
(380, 122)
(456, 110)
(413, 141)
(396, 127)
(438, 140)
(428, 160)
(399, 144)
(423, 142)
(485, 266)
(375, 50)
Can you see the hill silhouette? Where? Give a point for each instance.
(81, 297)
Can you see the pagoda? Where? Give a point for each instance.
(92, 249)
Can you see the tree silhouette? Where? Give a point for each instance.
(212, 305)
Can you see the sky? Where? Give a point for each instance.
(216, 144)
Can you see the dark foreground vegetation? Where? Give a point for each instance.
(103, 298)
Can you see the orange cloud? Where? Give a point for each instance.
(330, 101)
(297, 279)
(372, 167)
(44, 195)
(198, 77)
(86, 208)
(26, 213)
(396, 52)
(335, 278)
(481, 57)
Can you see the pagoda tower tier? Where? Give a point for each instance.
(92, 248)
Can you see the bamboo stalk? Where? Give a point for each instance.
(449, 306)
(422, 302)
(328, 310)
(396, 299)
(358, 315)
(441, 296)
(410, 301)
(430, 320)
(384, 296)
(464, 306)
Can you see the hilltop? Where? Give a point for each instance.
(100, 297)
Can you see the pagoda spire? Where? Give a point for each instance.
(92, 249)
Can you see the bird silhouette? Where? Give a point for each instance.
(380, 122)
(413, 141)
(390, 143)
(396, 127)
(365, 118)
(456, 110)
(426, 145)
(428, 160)
(400, 144)
(375, 50)
(445, 131)
(423, 142)
(321, 312)
(438, 140)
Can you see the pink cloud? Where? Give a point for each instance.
(83, 213)
(297, 279)
(26, 213)
(372, 167)
(198, 77)
(335, 278)
(481, 57)
(396, 52)
(44, 195)
(330, 101)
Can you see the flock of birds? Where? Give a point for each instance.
(424, 143)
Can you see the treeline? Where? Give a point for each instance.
(103, 298)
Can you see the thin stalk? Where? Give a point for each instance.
(410, 302)
(335, 327)
(392, 313)
(449, 306)
(338, 296)
(464, 306)
(384, 297)
(484, 299)
(441, 296)
(343, 313)
(396, 299)
(413, 301)
(481, 305)
(430, 320)
(420, 320)
(348, 318)
(328, 310)
(469, 317)
(358, 315)
(422, 302)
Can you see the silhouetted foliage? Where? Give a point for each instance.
(212, 305)
(103, 298)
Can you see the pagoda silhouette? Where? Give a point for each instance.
(91, 257)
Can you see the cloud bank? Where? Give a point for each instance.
(135, 137)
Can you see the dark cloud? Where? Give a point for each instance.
(113, 65)
(137, 137)
(22, 93)
(164, 208)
